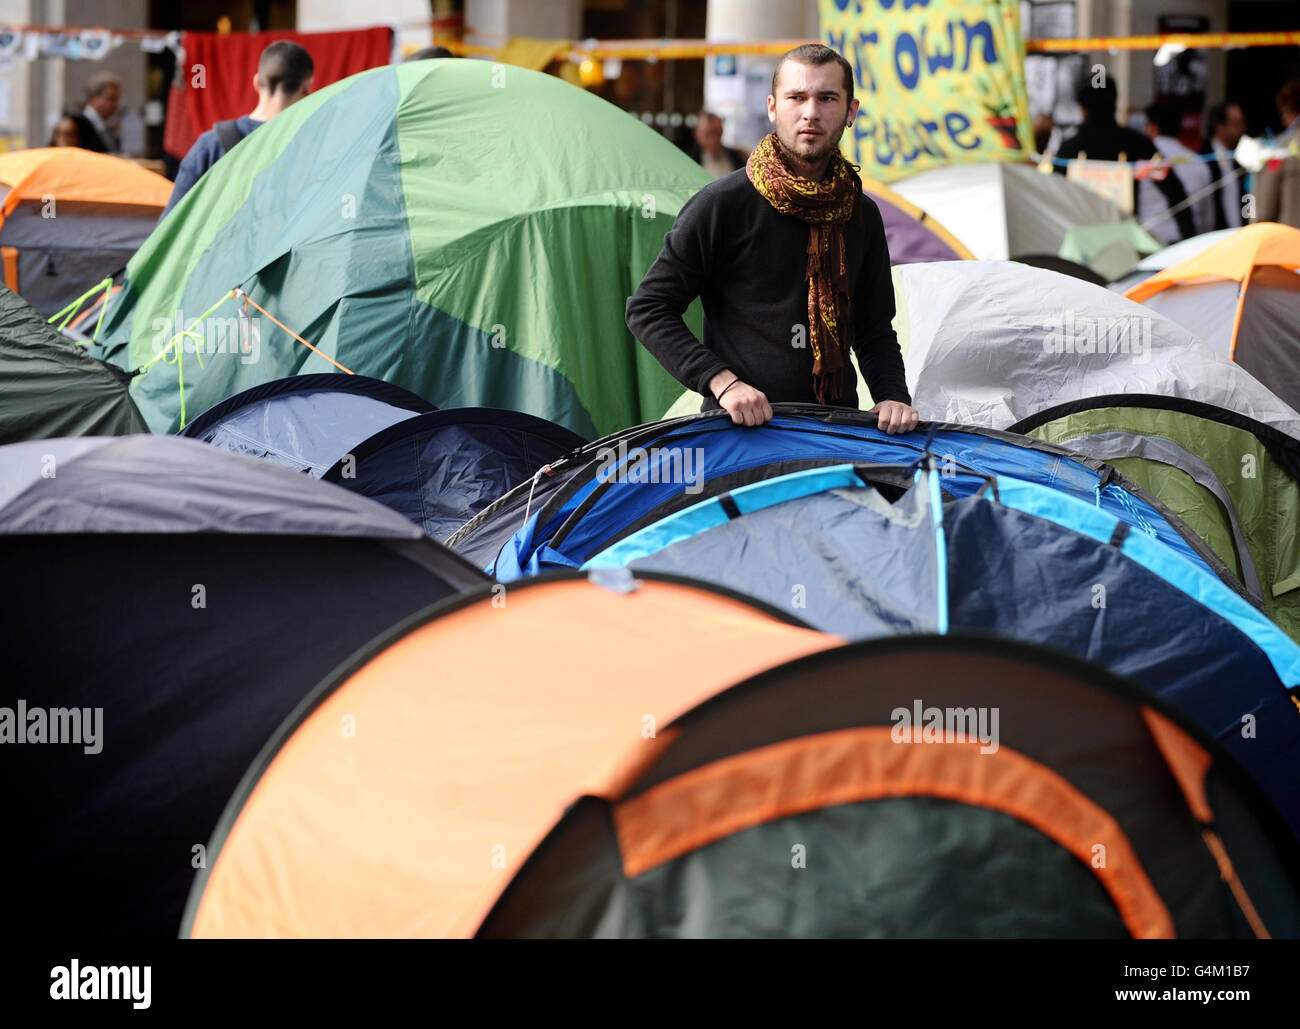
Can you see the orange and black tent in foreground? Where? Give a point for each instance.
(70, 218)
(660, 760)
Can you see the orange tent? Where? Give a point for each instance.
(660, 759)
(1235, 259)
(78, 176)
(71, 218)
(495, 716)
(1242, 296)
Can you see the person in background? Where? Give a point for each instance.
(1277, 187)
(708, 151)
(1044, 129)
(284, 76)
(1226, 124)
(1164, 122)
(74, 130)
(1102, 138)
(103, 98)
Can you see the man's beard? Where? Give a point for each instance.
(831, 143)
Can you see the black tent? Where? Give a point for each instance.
(169, 605)
(51, 387)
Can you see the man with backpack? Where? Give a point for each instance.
(284, 76)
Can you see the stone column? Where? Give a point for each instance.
(737, 91)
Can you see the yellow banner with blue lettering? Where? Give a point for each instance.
(939, 81)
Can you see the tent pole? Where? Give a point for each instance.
(941, 564)
(1236, 320)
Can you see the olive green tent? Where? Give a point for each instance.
(1233, 479)
(50, 386)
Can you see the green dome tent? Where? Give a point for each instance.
(51, 387)
(467, 230)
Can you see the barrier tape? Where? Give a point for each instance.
(1192, 41)
(690, 49)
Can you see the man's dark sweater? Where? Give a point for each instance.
(748, 265)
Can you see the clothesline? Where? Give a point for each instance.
(1162, 161)
(1200, 194)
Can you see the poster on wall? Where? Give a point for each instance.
(940, 82)
(736, 89)
(1051, 79)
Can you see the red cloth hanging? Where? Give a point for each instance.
(229, 63)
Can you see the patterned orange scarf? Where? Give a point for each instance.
(827, 207)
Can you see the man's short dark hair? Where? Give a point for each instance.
(816, 54)
(1167, 118)
(428, 53)
(284, 67)
(1098, 101)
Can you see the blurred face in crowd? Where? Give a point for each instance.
(708, 133)
(107, 100)
(810, 109)
(1233, 127)
(66, 133)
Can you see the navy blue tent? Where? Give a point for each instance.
(617, 485)
(441, 469)
(305, 422)
(193, 598)
(1019, 561)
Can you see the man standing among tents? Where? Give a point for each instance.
(284, 76)
(790, 261)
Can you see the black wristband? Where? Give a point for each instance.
(728, 386)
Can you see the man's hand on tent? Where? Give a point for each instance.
(894, 417)
(745, 404)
